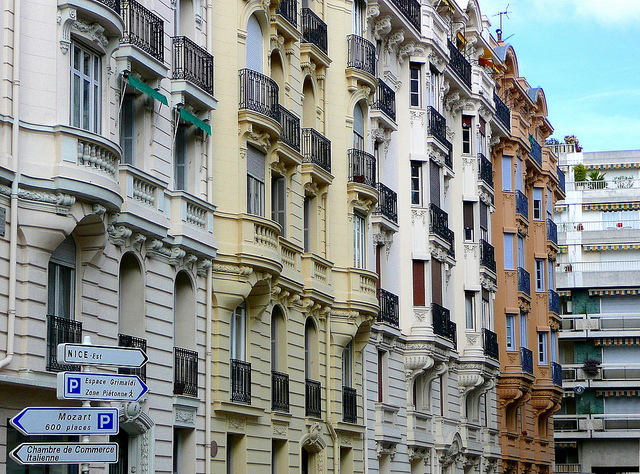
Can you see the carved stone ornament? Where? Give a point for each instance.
(373, 11)
(385, 449)
(280, 430)
(436, 60)
(488, 283)
(394, 40)
(313, 440)
(232, 269)
(261, 140)
(185, 417)
(381, 27)
(62, 201)
(203, 266)
(417, 453)
(236, 423)
(383, 238)
(417, 117)
(418, 215)
(438, 252)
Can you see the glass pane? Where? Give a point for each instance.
(86, 65)
(86, 102)
(76, 58)
(76, 101)
(65, 291)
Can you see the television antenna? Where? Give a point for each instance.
(504, 13)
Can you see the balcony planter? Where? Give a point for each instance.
(591, 367)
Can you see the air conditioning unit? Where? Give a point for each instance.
(579, 389)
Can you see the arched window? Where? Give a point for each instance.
(255, 45)
(358, 127)
(184, 312)
(131, 291)
(310, 350)
(308, 105)
(278, 340)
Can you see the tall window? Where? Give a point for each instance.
(520, 251)
(255, 45)
(418, 283)
(484, 222)
(542, 348)
(523, 329)
(482, 137)
(539, 274)
(310, 350)
(519, 175)
(469, 309)
(358, 127)
(180, 158)
(347, 365)
(511, 332)
(359, 7)
(506, 174)
(551, 274)
(549, 204)
(86, 74)
(62, 274)
(238, 333)
(537, 204)
(279, 201)
(414, 71)
(416, 183)
(382, 376)
(554, 346)
(508, 252)
(486, 309)
(127, 128)
(306, 231)
(467, 216)
(359, 240)
(255, 181)
(466, 134)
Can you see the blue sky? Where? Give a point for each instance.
(585, 54)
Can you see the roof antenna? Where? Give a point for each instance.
(505, 13)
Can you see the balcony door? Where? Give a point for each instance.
(358, 127)
(238, 333)
(255, 45)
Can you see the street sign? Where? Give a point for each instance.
(99, 387)
(68, 421)
(65, 453)
(101, 355)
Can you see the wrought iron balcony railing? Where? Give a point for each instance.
(554, 302)
(361, 54)
(349, 405)
(240, 381)
(556, 374)
(259, 93)
(314, 30)
(142, 28)
(485, 170)
(385, 100)
(389, 308)
(522, 204)
(502, 111)
(442, 324)
(185, 372)
(289, 10)
(490, 344)
(313, 399)
(290, 128)
(279, 391)
(536, 150)
(362, 167)
(61, 331)
(552, 231)
(192, 63)
(459, 64)
(487, 255)
(316, 148)
(561, 180)
(124, 340)
(387, 203)
(437, 126)
(524, 281)
(410, 9)
(439, 224)
(113, 4)
(526, 360)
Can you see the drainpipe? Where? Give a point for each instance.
(207, 372)
(13, 235)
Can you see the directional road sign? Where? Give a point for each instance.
(101, 355)
(99, 387)
(68, 421)
(65, 453)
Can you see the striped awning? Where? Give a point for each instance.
(568, 394)
(597, 248)
(564, 293)
(563, 249)
(612, 166)
(615, 292)
(617, 341)
(611, 206)
(560, 208)
(566, 444)
(617, 393)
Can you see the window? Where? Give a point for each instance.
(506, 174)
(416, 183)
(551, 274)
(523, 329)
(310, 350)
(255, 45)
(467, 215)
(508, 252)
(520, 251)
(554, 346)
(180, 163)
(482, 137)
(306, 231)
(127, 128)
(382, 376)
(486, 309)
(469, 310)
(484, 222)
(238, 333)
(542, 348)
(86, 84)
(549, 204)
(358, 127)
(359, 240)
(61, 288)
(279, 201)
(347, 365)
(436, 281)
(537, 204)
(434, 81)
(418, 283)
(255, 181)
(519, 175)
(511, 332)
(466, 134)
(414, 92)
(434, 183)
(539, 274)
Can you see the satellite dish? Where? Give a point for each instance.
(579, 389)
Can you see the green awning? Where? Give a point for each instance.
(145, 89)
(189, 117)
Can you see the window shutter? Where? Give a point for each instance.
(506, 173)
(254, 45)
(255, 163)
(434, 181)
(436, 281)
(418, 283)
(508, 251)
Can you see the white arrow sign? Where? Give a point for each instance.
(65, 453)
(99, 387)
(101, 355)
(69, 421)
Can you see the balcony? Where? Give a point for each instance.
(556, 374)
(312, 399)
(316, 149)
(289, 11)
(143, 29)
(561, 180)
(389, 308)
(554, 302)
(439, 225)
(442, 324)
(568, 468)
(526, 360)
(387, 203)
(361, 54)
(362, 167)
(490, 344)
(314, 30)
(61, 331)
(459, 65)
(552, 231)
(241, 381)
(524, 281)
(193, 64)
(438, 127)
(536, 150)
(185, 372)
(502, 111)
(125, 340)
(589, 274)
(485, 170)
(385, 100)
(522, 204)
(410, 9)
(487, 255)
(279, 391)
(349, 405)
(259, 93)
(290, 128)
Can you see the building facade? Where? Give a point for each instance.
(597, 426)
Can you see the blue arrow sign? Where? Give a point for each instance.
(68, 421)
(99, 387)
(65, 453)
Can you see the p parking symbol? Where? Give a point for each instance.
(73, 385)
(105, 421)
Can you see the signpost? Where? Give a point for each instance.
(66, 421)
(65, 453)
(99, 387)
(101, 355)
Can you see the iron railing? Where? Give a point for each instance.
(536, 150)
(316, 148)
(113, 4)
(556, 374)
(552, 231)
(349, 405)
(142, 28)
(124, 340)
(459, 64)
(314, 30)
(279, 391)
(410, 9)
(289, 11)
(192, 63)
(561, 180)
(259, 93)
(185, 372)
(522, 204)
(554, 302)
(361, 54)
(240, 381)
(437, 126)
(362, 167)
(439, 224)
(524, 281)
(490, 344)
(290, 128)
(385, 100)
(487, 255)
(61, 331)
(389, 308)
(387, 203)
(313, 400)
(442, 324)
(526, 360)
(502, 111)
(485, 170)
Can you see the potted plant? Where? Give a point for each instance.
(590, 367)
(579, 173)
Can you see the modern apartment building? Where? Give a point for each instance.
(597, 427)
